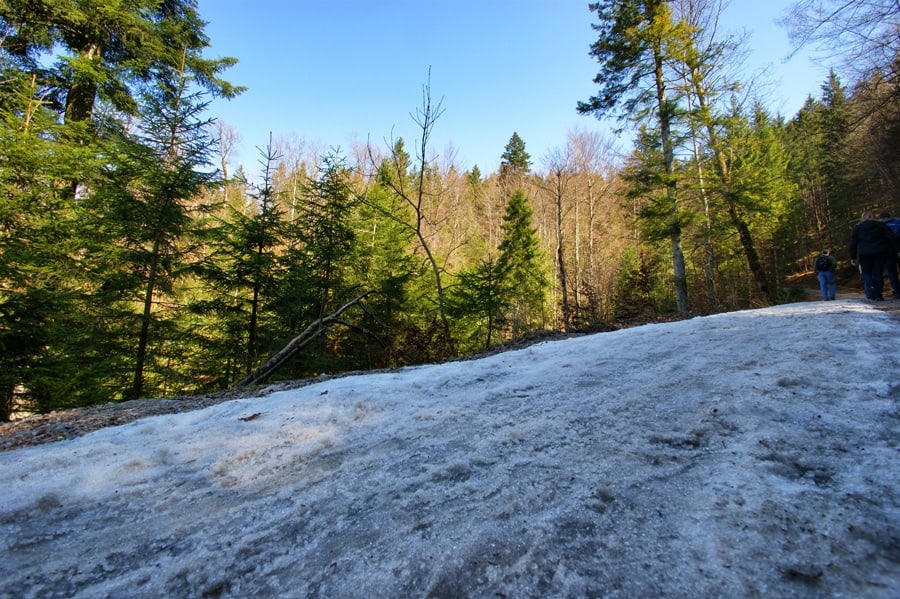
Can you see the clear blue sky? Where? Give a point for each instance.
(332, 71)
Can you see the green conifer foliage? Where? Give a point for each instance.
(515, 161)
(111, 49)
(44, 327)
(317, 264)
(383, 262)
(478, 302)
(145, 209)
(242, 273)
(520, 266)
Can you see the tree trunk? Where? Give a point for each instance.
(560, 257)
(252, 326)
(425, 120)
(7, 402)
(753, 262)
(681, 293)
(711, 293)
(723, 171)
(426, 124)
(137, 386)
(82, 93)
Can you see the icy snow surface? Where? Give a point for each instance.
(751, 454)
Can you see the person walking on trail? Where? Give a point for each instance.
(870, 243)
(893, 224)
(825, 265)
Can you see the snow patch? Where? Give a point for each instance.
(743, 454)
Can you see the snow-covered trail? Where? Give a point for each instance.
(745, 454)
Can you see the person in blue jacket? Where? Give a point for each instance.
(870, 243)
(893, 224)
(825, 265)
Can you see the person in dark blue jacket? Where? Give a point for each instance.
(870, 243)
(825, 265)
(893, 225)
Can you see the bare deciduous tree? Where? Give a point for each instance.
(863, 36)
(416, 193)
(559, 164)
(594, 162)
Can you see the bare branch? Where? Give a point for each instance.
(309, 333)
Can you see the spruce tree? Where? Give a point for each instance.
(145, 208)
(111, 49)
(317, 262)
(632, 47)
(383, 261)
(416, 190)
(758, 188)
(44, 326)
(519, 265)
(639, 281)
(95, 246)
(836, 127)
(478, 302)
(242, 273)
(515, 162)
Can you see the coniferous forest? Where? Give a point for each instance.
(134, 264)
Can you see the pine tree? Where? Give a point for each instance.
(145, 207)
(632, 48)
(479, 302)
(515, 162)
(111, 49)
(520, 267)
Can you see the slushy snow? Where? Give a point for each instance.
(749, 454)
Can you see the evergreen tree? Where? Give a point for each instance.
(416, 190)
(383, 262)
(875, 165)
(818, 139)
(639, 275)
(44, 329)
(258, 238)
(145, 207)
(243, 272)
(110, 49)
(836, 122)
(479, 302)
(758, 189)
(633, 45)
(702, 61)
(520, 267)
(318, 261)
(515, 162)
(324, 230)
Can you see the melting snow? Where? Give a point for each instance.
(743, 454)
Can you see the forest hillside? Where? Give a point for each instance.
(138, 260)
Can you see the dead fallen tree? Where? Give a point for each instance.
(296, 344)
